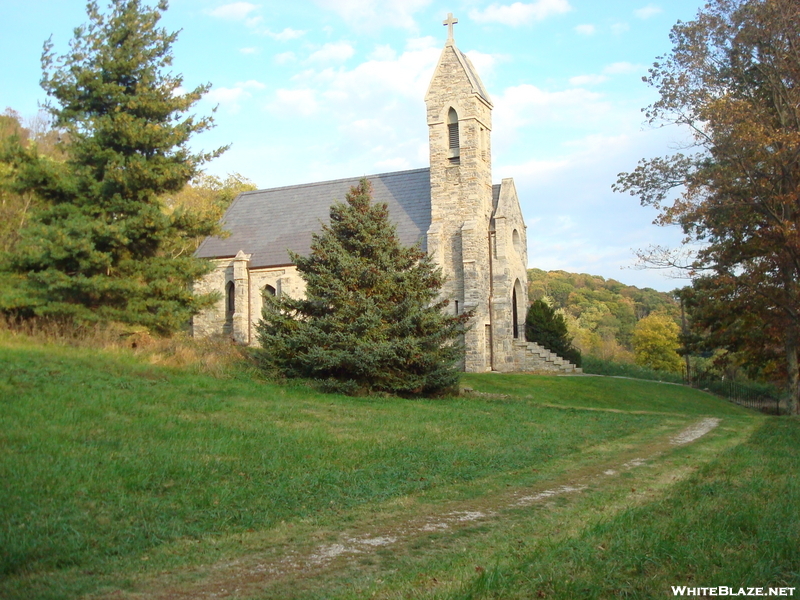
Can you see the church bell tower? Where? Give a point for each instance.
(459, 114)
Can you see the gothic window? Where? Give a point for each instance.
(269, 290)
(452, 136)
(514, 313)
(230, 300)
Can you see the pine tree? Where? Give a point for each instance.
(97, 252)
(369, 321)
(548, 328)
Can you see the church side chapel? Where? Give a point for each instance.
(473, 229)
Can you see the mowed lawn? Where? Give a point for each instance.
(116, 471)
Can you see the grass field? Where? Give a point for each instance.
(126, 479)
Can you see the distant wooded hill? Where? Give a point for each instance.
(601, 313)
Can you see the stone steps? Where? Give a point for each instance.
(530, 356)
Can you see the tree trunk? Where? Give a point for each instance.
(793, 371)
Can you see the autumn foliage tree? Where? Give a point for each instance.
(206, 197)
(37, 137)
(656, 343)
(733, 81)
(100, 247)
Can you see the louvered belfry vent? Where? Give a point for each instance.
(453, 132)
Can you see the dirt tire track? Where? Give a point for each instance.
(249, 575)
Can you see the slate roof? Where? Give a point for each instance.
(265, 223)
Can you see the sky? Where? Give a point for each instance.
(311, 90)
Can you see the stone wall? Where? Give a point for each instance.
(509, 277)
(461, 196)
(249, 285)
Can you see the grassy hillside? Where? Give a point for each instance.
(123, 476)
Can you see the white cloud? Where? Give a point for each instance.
(581, 80)
(619, 28)
(383, 52)
(586, 29)
(407, 75)
(285, 58)
(230, 98)
(617, 68)
(248, 50)
(520, 13)
(648, 11)
(621, 68)
(483, 63)
(337, 52)
(287, 102)
(524, 104)
(251, 84)
(422, 43)
(375, 106)
(287, 34)
(375, 14)
(236, 11)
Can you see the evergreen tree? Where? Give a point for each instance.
(370, 320)
(548, 328)
(97, 251)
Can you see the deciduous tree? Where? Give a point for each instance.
(733, 81)
(370, 320)
(206, 197)
(656, 343)
(98, 251)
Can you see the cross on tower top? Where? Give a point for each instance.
(449, 21)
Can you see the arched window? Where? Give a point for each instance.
(452, 135)
(230, 300)
(269, 290)
(514, 313)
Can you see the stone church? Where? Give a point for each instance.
(474, 230)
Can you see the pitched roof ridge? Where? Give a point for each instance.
(472, 75)
(340, 180)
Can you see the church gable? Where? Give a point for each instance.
(453, 66)
(511, 243)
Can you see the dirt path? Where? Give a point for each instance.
(254, 573)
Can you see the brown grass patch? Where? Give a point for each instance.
(217, 356)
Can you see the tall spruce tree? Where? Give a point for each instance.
(370, 321)
(97, 251)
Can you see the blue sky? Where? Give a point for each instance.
(323, 89)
